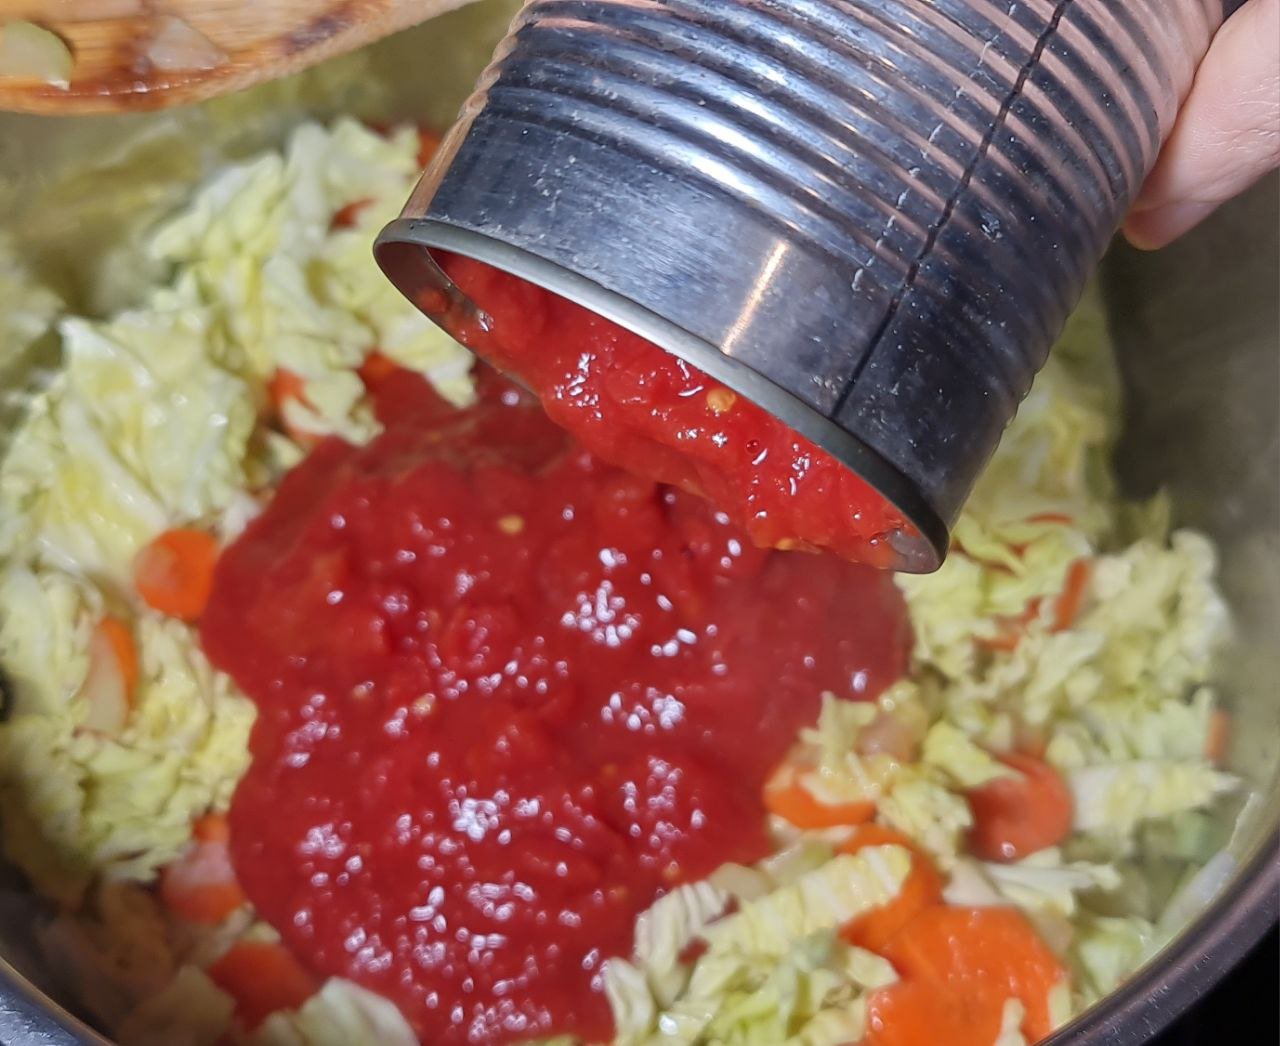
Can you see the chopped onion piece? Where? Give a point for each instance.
(30, 52)
(178, 46)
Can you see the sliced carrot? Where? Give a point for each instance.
(262, 978)
(1017, 816)
(970, 960)
(285, 385)
(1066, 609)
(879, 835)
(174, 574)
(1068, 605)
(376, 368)
(1218, 736)
(1011, 629)
(200, 886)
(187, 892)
(428, 143)
(921, 889)
(345, 217)
(788, 799)
(914, 1013)
(109, 685)
(1052, 517)
(1005, 641)
(212, 828)
(118, 637)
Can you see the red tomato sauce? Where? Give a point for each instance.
(508, 695)
(649, 412)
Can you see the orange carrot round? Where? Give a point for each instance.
(200, 886)
(921, 889)
(262, 978)
(916, 1013)
(959, 966)
(791, 801)
(174, 574)
(1017, 816)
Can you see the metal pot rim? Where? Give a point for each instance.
(1194, 961)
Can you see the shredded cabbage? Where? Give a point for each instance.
(339, 1014)
(964, 763)
(1116, 797)
(838, 773)
(1044, 883)
(189, 1011)
(77, 804)
(257, 248)
(116, 949)
(825, 898)
(668, 927)
(140, 431)
(1109, 676)
(772, 972)
(1011, 1018)
(1106, 949)
(150, 423)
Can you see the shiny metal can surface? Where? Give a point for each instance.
(870, 216)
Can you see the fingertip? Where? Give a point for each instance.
(1138, 232)
(1149, 230)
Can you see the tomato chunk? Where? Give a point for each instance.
(641, 408)
(1017, 816)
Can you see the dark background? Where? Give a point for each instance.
(1242, 1011)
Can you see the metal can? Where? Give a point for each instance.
(872, 217)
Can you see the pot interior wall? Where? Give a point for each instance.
(1197, 327)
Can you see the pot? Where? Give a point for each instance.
(1197, 331)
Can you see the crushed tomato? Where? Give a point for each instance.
(508, 695)
(651, 413)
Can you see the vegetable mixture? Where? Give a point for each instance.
(988, 841)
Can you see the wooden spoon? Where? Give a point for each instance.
(66, 57)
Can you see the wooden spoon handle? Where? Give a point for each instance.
(148, 54)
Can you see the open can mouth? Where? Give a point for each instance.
(405, 252)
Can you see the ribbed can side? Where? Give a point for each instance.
(871, 215)
(1077, 138)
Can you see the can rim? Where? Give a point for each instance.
(919, 553)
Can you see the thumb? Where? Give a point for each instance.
(1226, 136)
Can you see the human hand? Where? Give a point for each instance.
(1227, 135)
